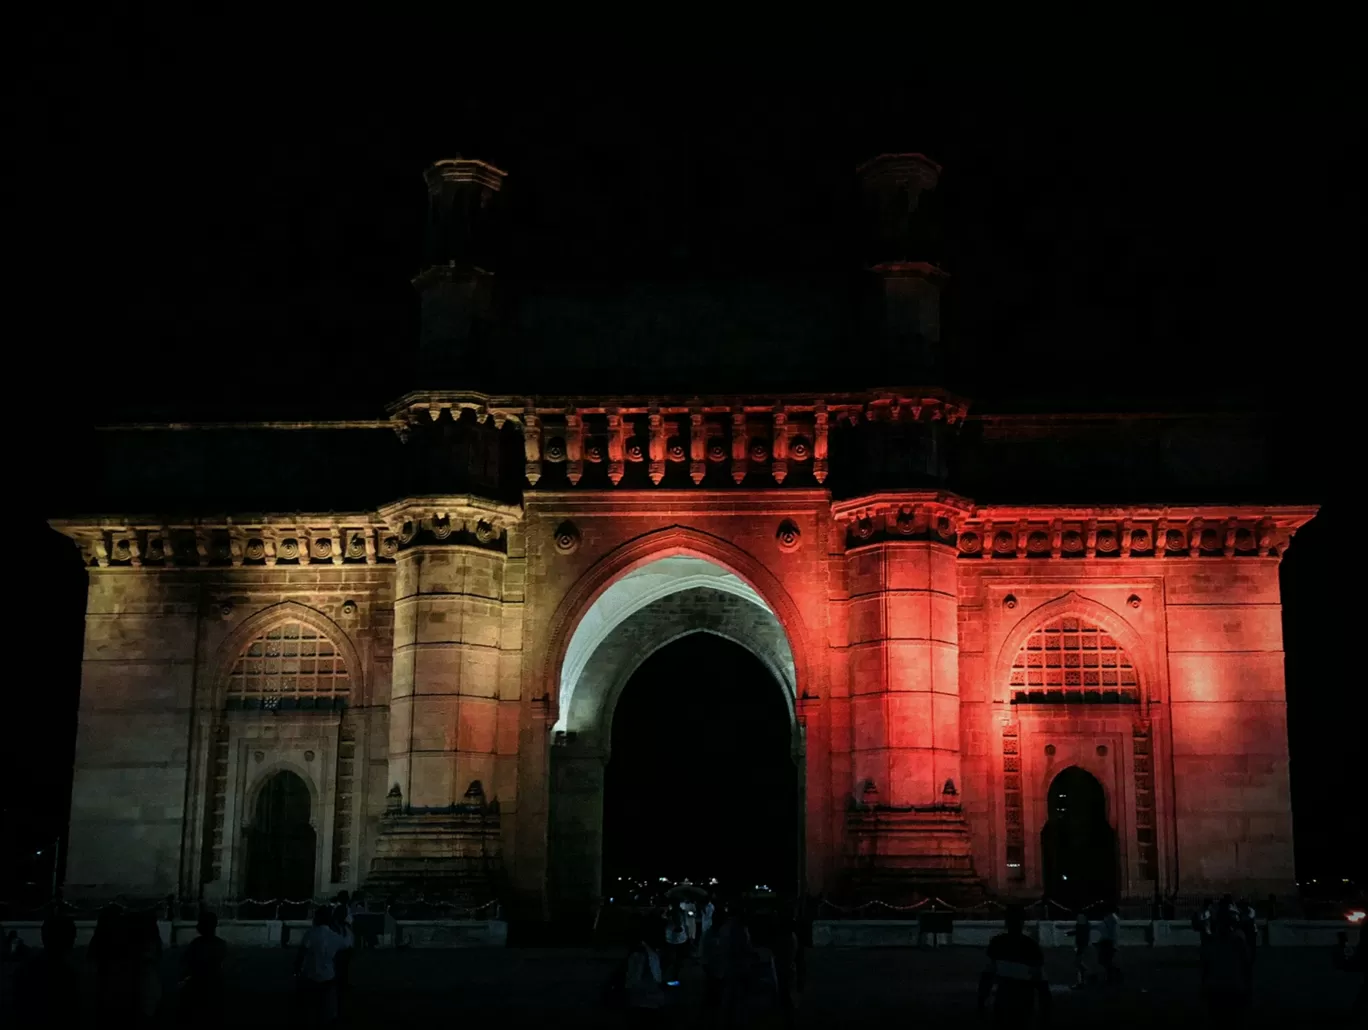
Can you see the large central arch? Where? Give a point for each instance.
(647, 594)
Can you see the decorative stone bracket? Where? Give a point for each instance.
(466, 519)
(770, 436)
(913, 515)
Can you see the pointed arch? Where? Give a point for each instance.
(1073, 603)
(269, 771)
(664, 543)
(267, 619)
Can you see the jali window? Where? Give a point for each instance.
(290, 667)
(1070, 660)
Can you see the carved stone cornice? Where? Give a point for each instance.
(1034, 533)
(461, 520)
(230, 541)
(935, 515)
(289, 540)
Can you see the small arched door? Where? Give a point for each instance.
(1077, 844)
(280, 842)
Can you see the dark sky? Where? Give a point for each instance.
(214, 219)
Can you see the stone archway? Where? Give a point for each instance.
(640, 612)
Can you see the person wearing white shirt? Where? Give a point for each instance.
(316, 966)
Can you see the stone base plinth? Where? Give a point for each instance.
(454, 856)
(899, 853)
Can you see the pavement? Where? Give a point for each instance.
(496, 988)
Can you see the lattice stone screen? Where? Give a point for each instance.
(1070, 660)
(291, 666)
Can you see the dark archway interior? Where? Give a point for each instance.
(1078, 845)
(280, 848)
(701, 781)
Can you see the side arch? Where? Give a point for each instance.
(1074, 603)
(662, 543)
(267, 619)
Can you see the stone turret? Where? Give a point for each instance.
(904, 318)
(457, 282)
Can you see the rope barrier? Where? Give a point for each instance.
(66, 908)
(940, 904)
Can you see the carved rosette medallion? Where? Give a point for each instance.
(789, 536)
(567, 537)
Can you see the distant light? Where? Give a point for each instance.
(1355, 917)
(1065, 876)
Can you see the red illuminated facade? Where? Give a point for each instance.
(439, 667)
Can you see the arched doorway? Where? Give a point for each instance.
(1077, 844)
(701, 781)
(281, 842)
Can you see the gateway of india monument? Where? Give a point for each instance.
(1016, 651)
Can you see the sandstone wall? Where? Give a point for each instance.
(1228, 695)
(149, 782)
(134, 733)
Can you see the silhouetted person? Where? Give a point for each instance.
(145, 953)
(676, 941)
(1082, 935)
(47, 991)
(643, 989)
(787, 959)
(1016, 967)
(342, 926)
(316, 969)
(15, 949)
(201, 1000)
(1107, 940)
(112, 956)
(1226, 972)
(735, 958)
(1249, 928)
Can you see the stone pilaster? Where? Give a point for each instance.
(449, 720)
(905, 821)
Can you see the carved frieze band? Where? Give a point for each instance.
(230, 545)
(1001, 533)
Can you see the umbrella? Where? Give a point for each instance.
(686, 890)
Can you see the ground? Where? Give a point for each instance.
(858, 988)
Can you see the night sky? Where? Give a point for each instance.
(207, 223)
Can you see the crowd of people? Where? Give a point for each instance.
(125, 955)
(746, 958)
